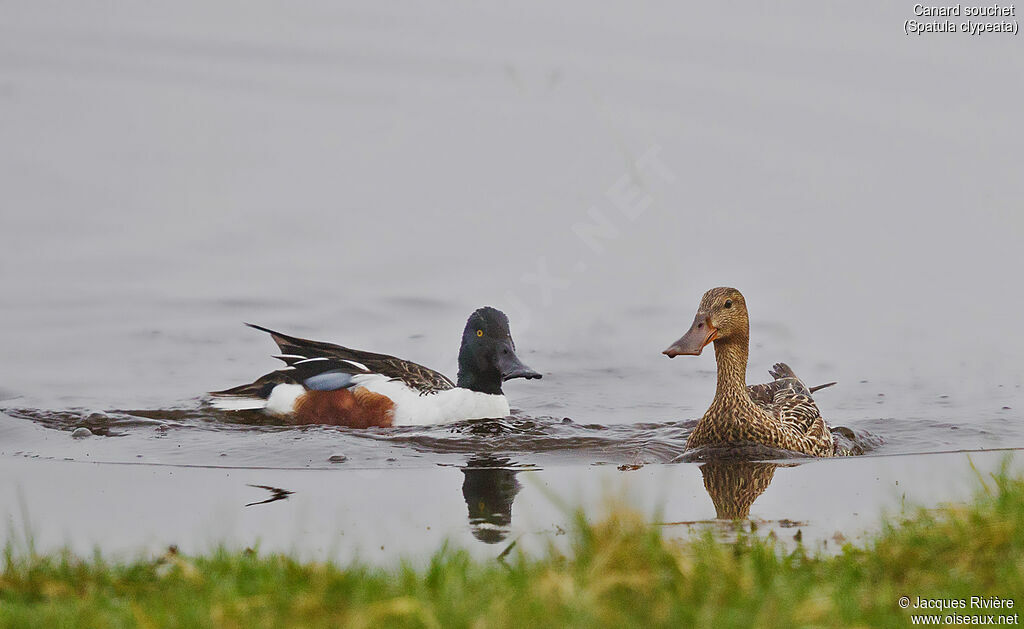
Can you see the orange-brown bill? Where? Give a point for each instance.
(696, 338)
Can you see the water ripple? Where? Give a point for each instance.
(204, 436)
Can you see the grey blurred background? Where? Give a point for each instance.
(370, 174)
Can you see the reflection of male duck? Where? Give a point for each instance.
(734, 486)
(489, 489)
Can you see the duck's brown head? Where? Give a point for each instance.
(721, 316)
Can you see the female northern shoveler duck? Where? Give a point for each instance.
(330, 384)
(779, 414)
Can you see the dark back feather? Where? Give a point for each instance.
(414, 375)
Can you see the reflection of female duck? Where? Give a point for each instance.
(489, 489)
(735, 486)
(780, 414)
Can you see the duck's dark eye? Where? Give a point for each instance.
(728, 303)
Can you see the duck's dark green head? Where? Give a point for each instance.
(488, 354)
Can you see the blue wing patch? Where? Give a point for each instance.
(328, 381)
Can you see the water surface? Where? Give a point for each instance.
(369, 175)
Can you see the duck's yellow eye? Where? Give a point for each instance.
(479, 332)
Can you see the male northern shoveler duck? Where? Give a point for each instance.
(330, 384)
(779, 414)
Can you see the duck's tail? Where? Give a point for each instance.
(226, 403)
(250, 396)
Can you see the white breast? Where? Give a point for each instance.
(414, 409)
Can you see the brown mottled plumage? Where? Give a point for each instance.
(779, 414)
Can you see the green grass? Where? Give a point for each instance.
(621, 572)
